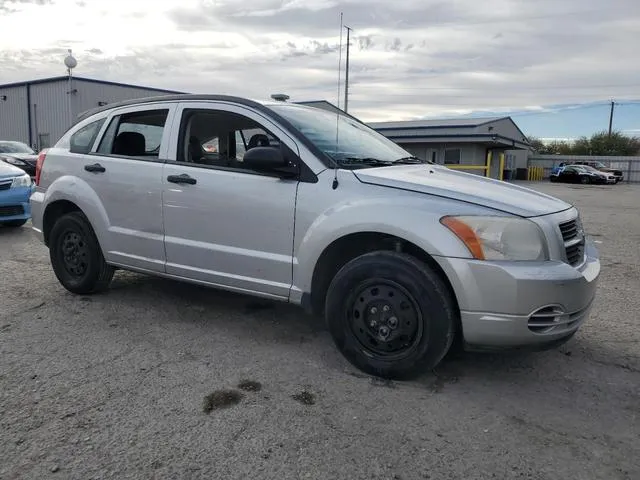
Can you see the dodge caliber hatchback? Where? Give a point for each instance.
(306, 206)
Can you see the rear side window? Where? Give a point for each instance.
(82, 140)
(137, 134)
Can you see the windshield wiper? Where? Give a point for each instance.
(369, 161)
(410, 160)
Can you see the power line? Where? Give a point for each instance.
(546, 87)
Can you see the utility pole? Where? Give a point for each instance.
(346, 78)
(611, 117)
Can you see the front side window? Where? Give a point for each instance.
(137, 134)
(82, 140)
(219, 138)
(345, 140)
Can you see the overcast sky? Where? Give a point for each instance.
(409, 59)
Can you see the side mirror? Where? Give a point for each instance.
(264, 159)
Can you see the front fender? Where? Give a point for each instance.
(79, 192)
(411, 216)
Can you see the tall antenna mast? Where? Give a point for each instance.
(335, 173)
(346, 77)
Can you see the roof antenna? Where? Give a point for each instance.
(334, 185)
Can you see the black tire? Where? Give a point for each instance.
(400, 280)
(83, 270)
(584, 180)
(14, 223)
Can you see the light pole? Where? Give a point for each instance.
(70, 62)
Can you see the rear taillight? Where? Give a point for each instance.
(39, 164)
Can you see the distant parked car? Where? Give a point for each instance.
(19, 155)
(601, 167)
(15, 190)
(580, 174)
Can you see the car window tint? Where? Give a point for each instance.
(219, 138)
(137, 134)
(82, 140)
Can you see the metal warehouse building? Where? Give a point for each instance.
(38, 112)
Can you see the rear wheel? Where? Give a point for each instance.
(584, 180)
(390, 315)
(14, 223)
(76, 255)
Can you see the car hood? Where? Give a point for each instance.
(27, 157)
(465, 187)
(9, 171)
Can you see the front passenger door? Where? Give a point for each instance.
(224, 224)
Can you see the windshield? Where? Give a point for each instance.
(347, 141)
(15, 147)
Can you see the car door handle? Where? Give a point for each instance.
(184, 178)
(96, 168)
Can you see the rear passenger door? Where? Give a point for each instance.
(124, 168)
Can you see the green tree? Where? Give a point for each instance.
(600, 143)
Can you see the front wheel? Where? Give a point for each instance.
(390, 315)
(584, 180)
(76, 255)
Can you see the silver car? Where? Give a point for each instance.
(310, 207)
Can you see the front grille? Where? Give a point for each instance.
(11, 210)
(573, 238)
(5, 186)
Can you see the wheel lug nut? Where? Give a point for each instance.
(386, 308)
(393, 322)
(373, 323)
(373, 310)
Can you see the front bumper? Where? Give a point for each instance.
(517, 304)
(14, 204)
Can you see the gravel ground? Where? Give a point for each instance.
(118, 385)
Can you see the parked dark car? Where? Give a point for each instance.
(600, 166)
(579, 174)
(19, 155)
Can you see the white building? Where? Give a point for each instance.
(38, 112)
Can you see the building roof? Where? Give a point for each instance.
(498, 131)
(436, 123)
(84, 79)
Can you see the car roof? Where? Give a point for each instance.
(181, 97)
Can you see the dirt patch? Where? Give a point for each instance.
(221, 399)
(305, 397)
(250, 386)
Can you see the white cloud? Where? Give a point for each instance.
(409, 59)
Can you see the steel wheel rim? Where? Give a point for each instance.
(385, 319)
(74, 252)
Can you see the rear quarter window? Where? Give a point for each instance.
(82, 140)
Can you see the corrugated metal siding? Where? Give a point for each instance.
(13, 114)
(50, 111)
(89, 94)
(51, 102)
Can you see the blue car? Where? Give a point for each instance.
(15, 190)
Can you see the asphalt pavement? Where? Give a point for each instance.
(156, 379)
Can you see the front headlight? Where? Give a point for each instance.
(499, 238)
(14, 161)
(21, 181)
